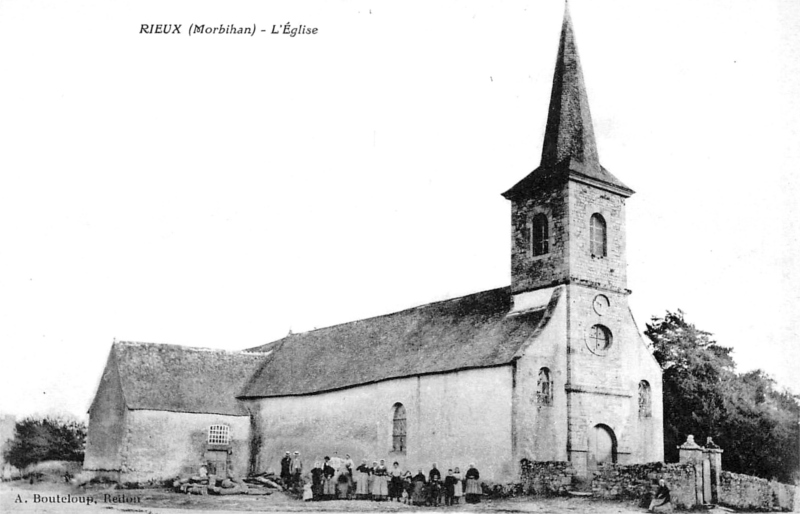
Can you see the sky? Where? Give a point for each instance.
(220, 190)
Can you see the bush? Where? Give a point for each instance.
(45, 439)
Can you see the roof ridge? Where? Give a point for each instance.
(401, 311)
(197, 349)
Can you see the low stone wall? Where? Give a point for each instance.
(546, 478)
(783, 496)
(752, 493)
(635, 481)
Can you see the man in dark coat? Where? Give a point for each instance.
(450, 482)
(286, 469)
(435, 485)
(328, 486)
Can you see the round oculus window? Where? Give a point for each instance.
(598, 340)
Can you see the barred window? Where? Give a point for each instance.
(544, 388)
(219, 434)
(399, 428)
(597, 236)
(645, 400)
(540, 235)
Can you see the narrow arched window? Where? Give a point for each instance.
(597, 236)
(540, 235)
(399, 428)
(219, 434)
(645, 400)
(544, 388)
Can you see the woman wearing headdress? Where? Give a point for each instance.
(380, 482)
(661, 502)
(316, 480)
(418, 491)
(371, 480)
(395, 482)
(473, 490)
(362, 480)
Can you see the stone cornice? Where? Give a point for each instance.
(595, 389)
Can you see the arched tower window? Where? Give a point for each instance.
(597, 235)
(544, 388)
(399, 428)
(540, 235)
(645, 400)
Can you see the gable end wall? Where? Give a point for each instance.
(107, 417)
(162, 444)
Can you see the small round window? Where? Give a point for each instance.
(599, 339)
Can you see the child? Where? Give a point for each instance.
(459, 488)
(450, 487)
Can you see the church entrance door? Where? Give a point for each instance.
(602, 446)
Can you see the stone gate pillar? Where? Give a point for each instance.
(690, 452)
(713, 454)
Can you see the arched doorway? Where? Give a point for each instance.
(602, 446)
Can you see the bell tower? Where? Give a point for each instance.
(567, 215)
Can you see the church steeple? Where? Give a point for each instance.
(569, 133)
(567, 215)
(569, 148)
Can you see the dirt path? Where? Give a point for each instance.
(63, 499)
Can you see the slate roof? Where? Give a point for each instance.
(569, 148)
(468, 332)
(183, 379)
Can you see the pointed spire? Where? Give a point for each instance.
(569, 147)
(569, 133)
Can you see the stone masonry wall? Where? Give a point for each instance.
(529, 272)
(612, 481)
(545, 478)
(609, 271)
(636, 480)
(752, 493)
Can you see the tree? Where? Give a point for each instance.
(50, 438)
(754, 423)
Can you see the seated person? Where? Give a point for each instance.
(661, 502)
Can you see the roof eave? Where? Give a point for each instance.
(570, 169)
(257, 396)
(619, 189)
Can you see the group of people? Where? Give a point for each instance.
(337, 478)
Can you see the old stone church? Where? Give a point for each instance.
(551, 368)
